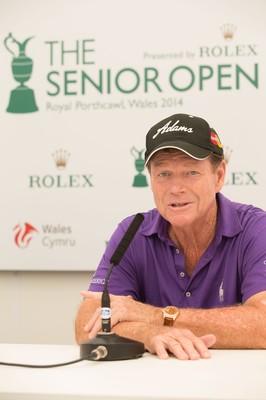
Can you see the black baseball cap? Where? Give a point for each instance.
(184, 132)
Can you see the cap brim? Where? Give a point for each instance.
(196, 152)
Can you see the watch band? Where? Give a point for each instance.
(168, 321)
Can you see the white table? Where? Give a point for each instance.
(228, 375)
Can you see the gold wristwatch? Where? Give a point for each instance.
(170, 313)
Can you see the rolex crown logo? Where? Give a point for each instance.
(61, 158)
(228, 31)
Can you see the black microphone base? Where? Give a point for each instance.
(118, 347)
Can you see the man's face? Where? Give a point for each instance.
(185, 189)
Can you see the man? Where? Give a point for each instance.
(197, 252)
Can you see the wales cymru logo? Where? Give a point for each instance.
(24, 233)
(22, 99)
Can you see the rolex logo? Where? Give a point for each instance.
(61, 158)
(228, 31)
(60, 179)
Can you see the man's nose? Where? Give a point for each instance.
(177, 186)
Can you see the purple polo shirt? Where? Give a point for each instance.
(232, 269)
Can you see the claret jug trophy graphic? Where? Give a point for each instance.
(22, 98)
(140, 180)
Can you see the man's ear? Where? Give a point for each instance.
(220, 176)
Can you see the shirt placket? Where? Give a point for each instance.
(183, 278)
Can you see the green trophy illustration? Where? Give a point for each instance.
(22, 98)
(140, 180)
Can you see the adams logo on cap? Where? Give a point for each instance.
(173, 128)
(184, 132)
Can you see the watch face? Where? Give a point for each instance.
(169, 315)
(171, 310)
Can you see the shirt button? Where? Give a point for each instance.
(182, 274)
(188, 294)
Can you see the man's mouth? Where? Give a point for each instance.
(178, 205)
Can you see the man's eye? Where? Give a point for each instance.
(163, 174)
(192, 173)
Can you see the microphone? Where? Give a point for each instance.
(127, 239)
(114, 260)
(112, 346)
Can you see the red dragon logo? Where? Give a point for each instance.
(23, 234)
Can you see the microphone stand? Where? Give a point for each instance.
(108, 345)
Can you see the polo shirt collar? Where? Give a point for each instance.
(228, 223)
(157, 226)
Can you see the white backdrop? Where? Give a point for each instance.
(103, 72)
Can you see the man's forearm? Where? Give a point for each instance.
(242, 326)
(234, 327)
